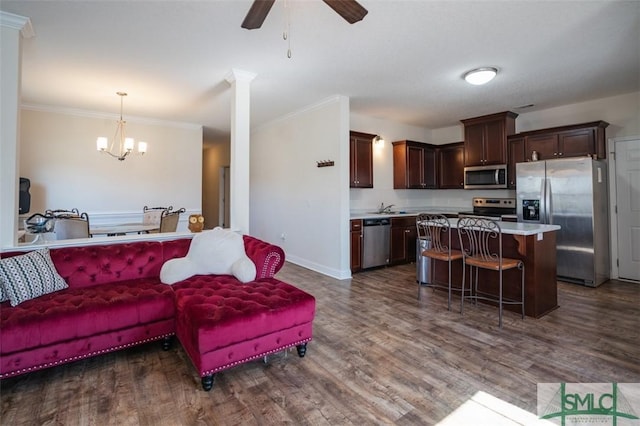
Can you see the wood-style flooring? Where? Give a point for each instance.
(379, 356)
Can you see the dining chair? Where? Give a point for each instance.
(153, 215)
(481, 245)
(169, 220)
(436, 230)
(67, 228)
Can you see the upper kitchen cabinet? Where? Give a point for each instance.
(361, 160)
(567, 141)
(485, 138)
(414, 165)
(516, 155)
(451, 166)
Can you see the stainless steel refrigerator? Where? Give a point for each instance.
(571, 193)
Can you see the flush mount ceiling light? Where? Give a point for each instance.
(480, 76)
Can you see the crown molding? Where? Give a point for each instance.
(110, 116)
(17, 22)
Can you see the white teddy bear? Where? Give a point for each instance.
(217, 251)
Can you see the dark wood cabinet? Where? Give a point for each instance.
(567, 141)
(485, 138)
(403, 240)
(414, 165)
(361, 160)
(451, 166)
(356, 245)
(545, 145)
(516, 155)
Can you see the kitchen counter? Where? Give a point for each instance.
(404, 213)
(518, 228)
(512, 228)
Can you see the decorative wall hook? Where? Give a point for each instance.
(325, 163)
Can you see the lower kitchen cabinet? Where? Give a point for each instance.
(356, 245)
(403, 240)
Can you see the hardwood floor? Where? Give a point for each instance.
(379, 356)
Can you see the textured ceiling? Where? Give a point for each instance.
(404, 62)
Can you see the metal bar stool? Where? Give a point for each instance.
(436, 229)
(481, 245)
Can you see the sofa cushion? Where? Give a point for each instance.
(79, 312)
(220, 312)
(29, 276)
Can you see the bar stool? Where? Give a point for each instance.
(481, 245)
(436, 229)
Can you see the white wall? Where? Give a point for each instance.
(292, 197)
(58, 153)
(621, 112)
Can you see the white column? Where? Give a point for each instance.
(240, 148)
(13, 28)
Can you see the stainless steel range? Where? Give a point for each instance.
(492, 208)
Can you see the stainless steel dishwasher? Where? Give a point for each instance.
(375, 244)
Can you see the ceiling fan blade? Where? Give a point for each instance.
(350, 10)
(257, 14)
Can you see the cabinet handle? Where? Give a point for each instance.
(555, 154)
(560, 154)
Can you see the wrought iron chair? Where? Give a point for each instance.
(169, 220)
(436, 229)
(67, 228)
(62, 213)
(481, 245)
(153, 216)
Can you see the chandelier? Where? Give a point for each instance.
(126, 144)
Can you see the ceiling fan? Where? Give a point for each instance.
(350, 10)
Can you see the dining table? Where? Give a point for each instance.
(123, 229)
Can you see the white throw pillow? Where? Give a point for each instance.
(217, 251)
(29, 276)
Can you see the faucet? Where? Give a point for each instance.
(385, 209)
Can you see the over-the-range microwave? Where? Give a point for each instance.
(485, 177)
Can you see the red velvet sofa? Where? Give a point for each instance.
(115, 300)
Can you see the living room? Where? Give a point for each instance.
(294, 204)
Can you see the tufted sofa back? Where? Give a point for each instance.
(86, 266)
(92, 265)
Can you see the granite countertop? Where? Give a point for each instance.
(407, 212)
(513, 228)
(519, 228)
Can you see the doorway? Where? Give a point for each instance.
(626, 220)
(225, 201)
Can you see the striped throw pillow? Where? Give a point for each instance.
(29, 276)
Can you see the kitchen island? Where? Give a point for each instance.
(534, 244)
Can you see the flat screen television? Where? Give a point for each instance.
(24, 203)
